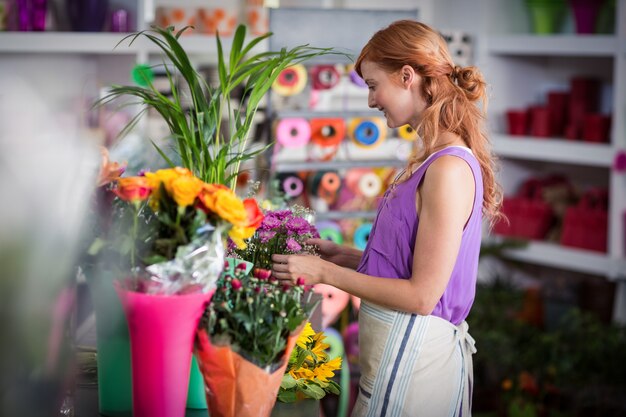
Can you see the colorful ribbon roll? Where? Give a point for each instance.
(370, 185)
(330, 231)
(324, 77)
(290, 81)
(406, 132)
(293, 132)
(354, 77)
(327, 132)
(367, 133)
(291, 185)
(352, 177)
(325, 185)
(362, 235)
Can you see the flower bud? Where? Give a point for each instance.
(236, 284)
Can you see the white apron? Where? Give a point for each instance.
(412, 365)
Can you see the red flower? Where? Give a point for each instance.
(236, 284)
(261, 274)
(300, 282)
(132, 189)
(254, 213)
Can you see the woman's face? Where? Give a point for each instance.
(397, 95)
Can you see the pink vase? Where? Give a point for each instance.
(161, 330)
(586, 14)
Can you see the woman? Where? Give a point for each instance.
(415, 350)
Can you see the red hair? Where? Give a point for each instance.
(451, 93)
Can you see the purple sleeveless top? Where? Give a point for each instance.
(389, 250)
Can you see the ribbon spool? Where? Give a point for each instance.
(370, 185)
(291, 185)
(355, 78)
(327, 132)
(290, 81)
(406, 132)
(324, 77)
(293, 132)
(362, 235)
(325, 185)
(352, 177)
(367, 133)
(330, 231)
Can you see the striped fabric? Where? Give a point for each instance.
(412, 365)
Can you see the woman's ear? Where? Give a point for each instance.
(407, 74)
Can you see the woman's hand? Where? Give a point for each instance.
(328, 250)
(299, 269)
(338, 254)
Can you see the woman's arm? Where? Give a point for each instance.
(341, 255)
(446, 198)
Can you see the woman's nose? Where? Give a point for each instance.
(370, 101)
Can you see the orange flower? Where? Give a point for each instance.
(109, 171)
(185, 190)
(253, 212)
(226, 205)
(132, 189)
(507, 384)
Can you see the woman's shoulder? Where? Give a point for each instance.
(450, 172)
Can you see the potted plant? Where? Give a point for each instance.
(198, 133)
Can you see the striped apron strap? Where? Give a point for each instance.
(468, 348)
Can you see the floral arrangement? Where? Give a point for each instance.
(280, 232)
(176, 222)
(246, 337)
(254, 314)
(310, 369)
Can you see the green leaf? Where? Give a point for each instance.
(286, 396)
(313, 391)
(288, 382)
(333, 388)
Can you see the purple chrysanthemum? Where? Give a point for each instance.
(282, 214)
(266, 235)
(298, 225)
(293, 245)
(270, 222)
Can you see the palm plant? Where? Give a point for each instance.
(197, 131)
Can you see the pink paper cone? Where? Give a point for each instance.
(161, 330)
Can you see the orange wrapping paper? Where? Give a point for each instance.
(234, 386)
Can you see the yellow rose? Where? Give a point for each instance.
(185, 190)
(229, 207)
(166, 176)
(239, 234)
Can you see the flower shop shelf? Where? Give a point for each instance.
(308, 114)
(554, 45)
(557, 256)
(553, 150)
(103, 43)
(295, 166)
(342, 215)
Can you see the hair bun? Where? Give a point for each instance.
(471, 81)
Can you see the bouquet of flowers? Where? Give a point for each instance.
(176, 222)
(309, 369)
(281, 231)
(175, 254)
(245, 339)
